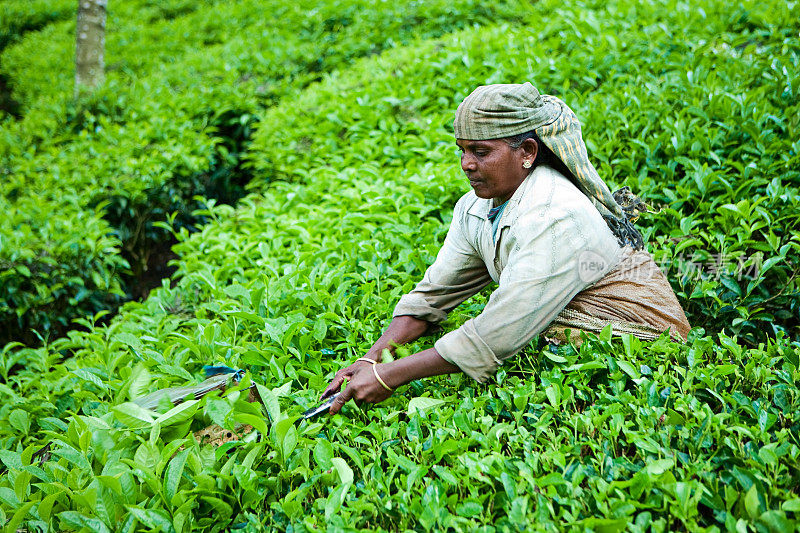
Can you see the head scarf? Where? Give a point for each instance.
(503, 110)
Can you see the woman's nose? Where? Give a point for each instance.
(467, 162)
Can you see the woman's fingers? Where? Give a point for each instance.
(335, 384)
(361, 387)
(342, 399)
(342, 375)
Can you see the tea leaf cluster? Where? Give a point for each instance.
(353, 181)
(86, 185)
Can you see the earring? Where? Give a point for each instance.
(526, 164)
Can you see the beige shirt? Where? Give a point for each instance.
(551, 243)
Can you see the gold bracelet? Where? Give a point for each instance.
(366, 360)
(375, 371)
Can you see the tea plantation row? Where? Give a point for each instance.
(721, 164)
(20, 17)
(85, 185)
(349, 204)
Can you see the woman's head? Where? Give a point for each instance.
(544, 155)
(493, 130)
(503, 110)
(497, 115)
(496, 167)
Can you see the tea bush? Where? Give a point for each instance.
(22, 16)
(292, 285)
(350, 202)
(184, 83)
(719, 164)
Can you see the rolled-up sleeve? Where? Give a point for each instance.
(554, 256)
(457, 273)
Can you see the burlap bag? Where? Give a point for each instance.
(635, 297)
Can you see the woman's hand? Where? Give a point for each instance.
(345, 374)
(364, 387)
(401, 330)
(361, 385)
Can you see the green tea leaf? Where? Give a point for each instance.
(792, 505)
(344, 471)
(133, 415)
(19, 516)
(77, 520)
(90, 377)
(270, 400)
(222, 510)
(323, 454)
(178, 414)
(752, 503)
(659, 466)
(628, 369)
(258, 423)
(140, 380)
(218, 410)
(151, 518)
(420, 404)
(19, 420)
(173, 474)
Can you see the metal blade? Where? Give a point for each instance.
(321, 408)
(177, 395)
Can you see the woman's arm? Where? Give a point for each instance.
(364, 387)
(401, 330)
(457, 273)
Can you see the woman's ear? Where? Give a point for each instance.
(530, 149)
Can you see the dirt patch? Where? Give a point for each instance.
(158, 268)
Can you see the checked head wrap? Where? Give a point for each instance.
(504, 110)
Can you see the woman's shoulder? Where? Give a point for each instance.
(553, 199)
(550, 189)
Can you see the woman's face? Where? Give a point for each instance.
(493, 168)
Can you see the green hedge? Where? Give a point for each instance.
(300, 277)
(718, 163)
(184, 84)
(37, 285)
(18, 17)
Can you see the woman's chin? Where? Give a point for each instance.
(481, 191)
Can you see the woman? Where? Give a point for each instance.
(542, 224)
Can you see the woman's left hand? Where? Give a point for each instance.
(363, 387)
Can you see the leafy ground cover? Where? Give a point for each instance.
(20, 17)
(345, 213)
(185, 81)
(720, 163)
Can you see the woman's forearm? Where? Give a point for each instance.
(419, 365)
(402, 330)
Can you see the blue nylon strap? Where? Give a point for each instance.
(216, 370)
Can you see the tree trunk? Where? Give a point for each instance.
(90, 45)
